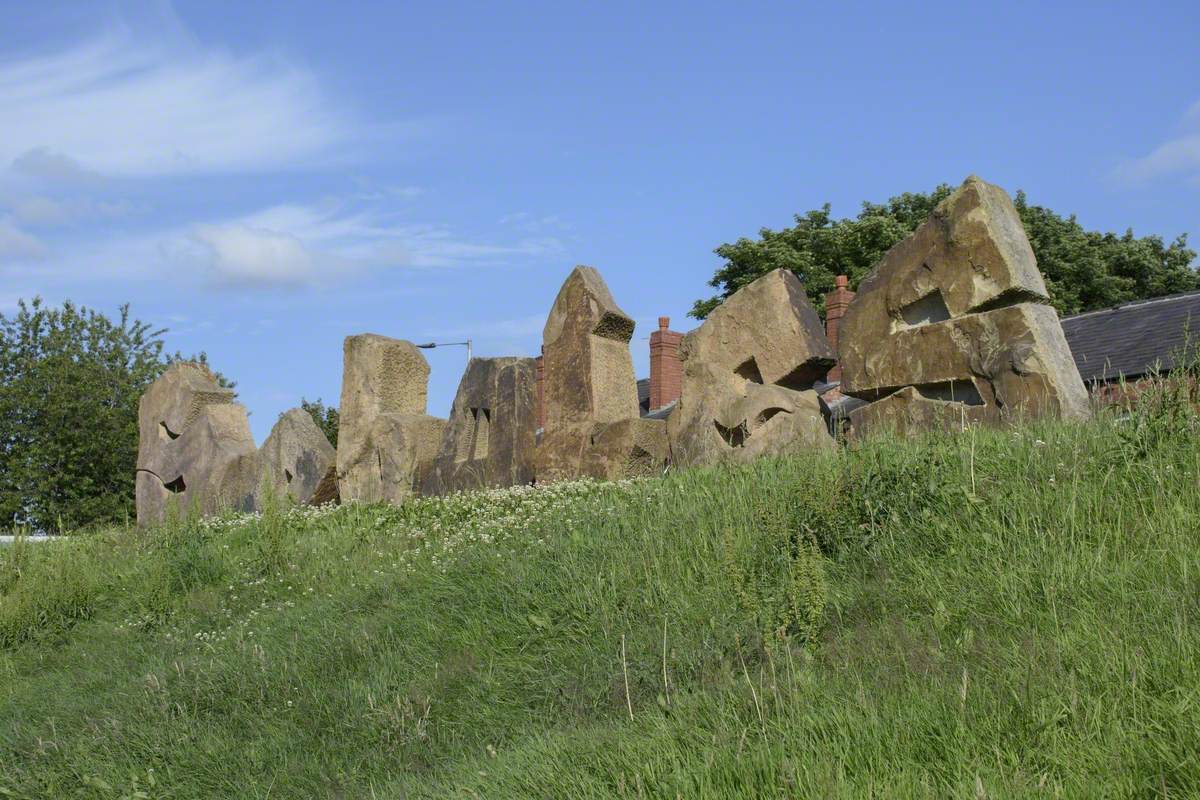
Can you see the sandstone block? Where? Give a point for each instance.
(748, 376)
(384, 431)
(490, 438)
(589, 381)
(190, 430)
(958, 311)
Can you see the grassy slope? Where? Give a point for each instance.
(1005, 615)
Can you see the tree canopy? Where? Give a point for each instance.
(1084, 270)
(70, 382)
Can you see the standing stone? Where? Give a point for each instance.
(291, 464)
(748, 377)
(490, 439)
(190, 429)
(958, 312)
(384, 431)
(589, 387)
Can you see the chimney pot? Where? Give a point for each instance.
(842, 281)
(666, 374)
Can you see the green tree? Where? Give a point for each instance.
(326, 417)
(70, 380)
(1084, 270)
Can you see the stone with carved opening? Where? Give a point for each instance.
(592, 418)
(490, 439)
(190, 429)
(959, 312)
(748, 377)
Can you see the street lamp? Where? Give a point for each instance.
(431, 345)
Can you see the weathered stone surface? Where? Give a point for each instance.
(296, 455)
(384, 431)
(908, 411)
(490, 438)
(748, 374)
(589, 381)
(958, 310)
(630, 448)
(327, 489)
(190, 430)
(291, 463)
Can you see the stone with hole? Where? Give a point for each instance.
(748, 377)
(490, 439)
(589, 383)
(190, 429)
(958, 311)
(384, 431)
(290, 465)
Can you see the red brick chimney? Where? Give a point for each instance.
(666, 373)
(836, 303)
(541, 390)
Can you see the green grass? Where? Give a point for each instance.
(990, 614)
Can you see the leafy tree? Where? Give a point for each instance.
(1084, 270)
(326, 417)
(70, 380)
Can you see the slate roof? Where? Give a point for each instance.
(1130, 340)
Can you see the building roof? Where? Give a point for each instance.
(1131, 340)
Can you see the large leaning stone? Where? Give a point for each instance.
(291, 464)
(748, 376)
(190, 429)
(959, 312)
(589, 383)
(384, 430)
(490, 439)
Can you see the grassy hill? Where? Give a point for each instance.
(990, 614)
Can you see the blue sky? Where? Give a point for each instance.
(265, 179)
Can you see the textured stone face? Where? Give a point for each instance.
(384, 431)
(190, 430)
(589, 381)
(630, 448)
(748, 374)
(291, 463)
(958, 311)
(490, 439)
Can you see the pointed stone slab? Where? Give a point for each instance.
(384, 431)
(291, 464)
(490, 439)
(589, 381)
(189, 430)
(748, 375)
(958, 310)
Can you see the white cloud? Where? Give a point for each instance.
(300, 244)
(154, 103)
(246, 255)
(1178, 155)
(17, 245)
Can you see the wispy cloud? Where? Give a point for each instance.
(152, 103)
(17, 245)
(1179, 155)
(305, 244)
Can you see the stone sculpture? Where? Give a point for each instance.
(748, 377)
(291, 464)
(491, 436)
(592, 419)
(953, 325)
(384, 432)
(190, 430)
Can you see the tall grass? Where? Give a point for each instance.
(985, 614)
